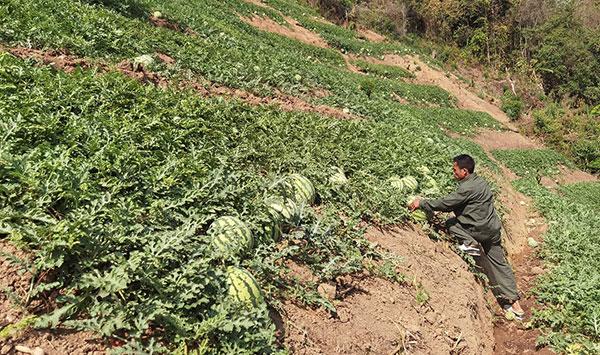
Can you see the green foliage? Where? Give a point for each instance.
(570, 292)
(512, 105)
(114, 184)
(571, 131)
(459, 121)
(367, 86)
(532, 162)
(567, 57)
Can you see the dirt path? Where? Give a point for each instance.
(425, 74)
(440, 309)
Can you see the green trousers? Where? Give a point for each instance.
(492, 261)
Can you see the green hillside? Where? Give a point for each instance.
(113, 183)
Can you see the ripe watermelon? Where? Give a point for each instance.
(410, 183)
(337, 176)
(282, 210)
(273, 230)
(243, 288)
(230, 235)
(302, 189)
(407, 183)
(419, 215)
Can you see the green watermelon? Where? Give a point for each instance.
(410, 183)
(301, 188)
(243, 288)
(407, 183)
(424, 170)
(396, 182)
(282, 210)
(337, 176)
(230, 235)
(419, 215)
(273, 230)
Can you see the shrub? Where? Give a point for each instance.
(512, 105)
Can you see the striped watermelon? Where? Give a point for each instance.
(243, 288)
(424, 170)
(396, 182)
(230, 235)
(302, 189)
(419, 216)
(273, 230)
(337, 176)
(407, 183)
(282, 210)
(410, 183)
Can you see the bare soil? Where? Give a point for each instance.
(369, 35)
(492, 140)
(294, 30)
(384, 317)
(425, 74)
(15, 280)
(572, 176)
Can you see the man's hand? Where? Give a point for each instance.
(415, 204)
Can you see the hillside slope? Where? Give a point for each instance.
(132, 126)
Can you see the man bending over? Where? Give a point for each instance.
(476, 227)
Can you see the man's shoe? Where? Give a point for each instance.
(467, 249)
(511, 314)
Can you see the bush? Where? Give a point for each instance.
(512, 105)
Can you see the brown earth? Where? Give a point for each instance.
(572, 176)
(16, 281)
(384, 317)
(294, 31)
(425, 74)
(372, 36)
(491, 140)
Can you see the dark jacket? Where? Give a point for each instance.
(473, 205)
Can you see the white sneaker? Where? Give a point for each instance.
(511, 314)
(473, 251)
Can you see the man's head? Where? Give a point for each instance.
(463, 166)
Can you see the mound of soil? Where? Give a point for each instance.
(440, 309)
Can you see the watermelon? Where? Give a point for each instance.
(407, 183)
(410, 183)
(302, 189)
(273, 231)
(396, 182)
(282, 210)
(337, 176)
(419, 215)
(145, 60)
(230, 235)
(424, 170)
(243, 288)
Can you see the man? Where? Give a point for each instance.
(476, 226)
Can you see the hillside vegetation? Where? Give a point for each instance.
(544, 56)
(119, 153)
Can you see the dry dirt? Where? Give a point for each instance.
(294, 31)
(424, 74)
(382, 317)
(56, 342)
(369, 35)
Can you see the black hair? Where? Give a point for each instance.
(465, 161)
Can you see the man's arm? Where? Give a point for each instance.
(446, 204)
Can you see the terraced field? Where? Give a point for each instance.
(129, 127)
